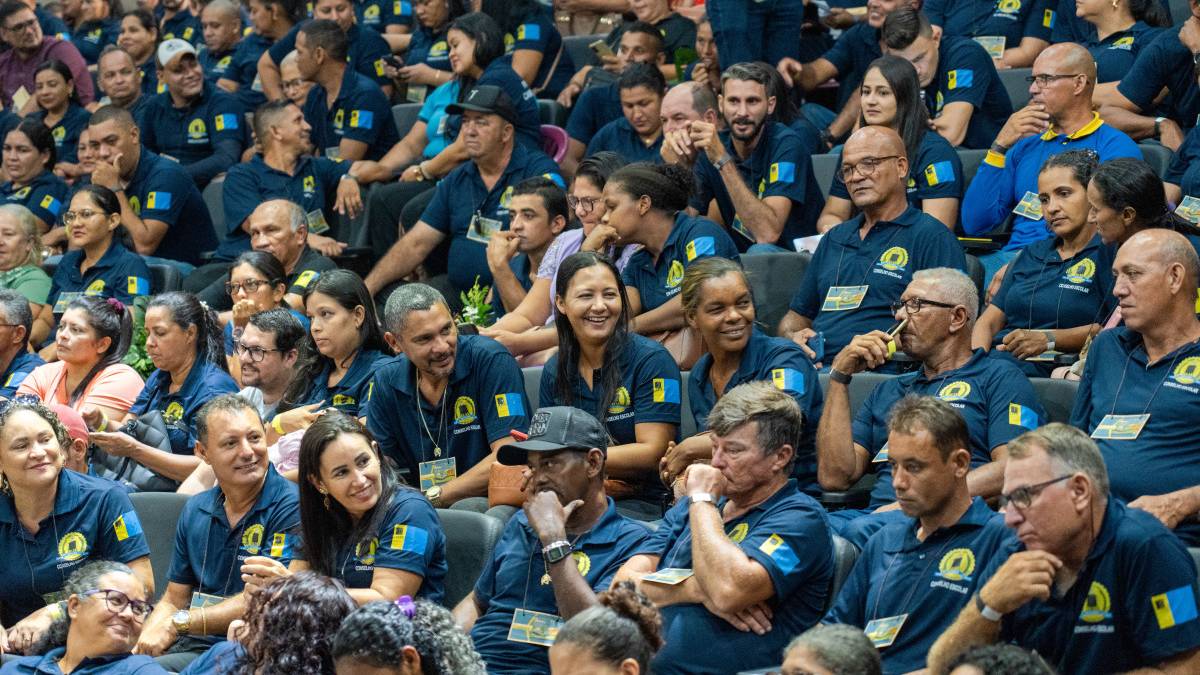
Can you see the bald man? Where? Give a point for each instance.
(1140, 393)
(222, 24)
(686, 102)
(1059, 118)
(863, 265)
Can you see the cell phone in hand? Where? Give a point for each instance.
(394, 61)
(601, 49)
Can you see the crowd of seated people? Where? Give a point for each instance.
(281, 264)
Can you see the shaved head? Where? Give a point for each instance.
(1166, 247)
(1067, 57)
(883, 140)
(875, 169)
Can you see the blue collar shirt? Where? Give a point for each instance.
(359, 113)
(119, 273)
(161, 190)
(350, 394)
(204, 382)
(692, 238)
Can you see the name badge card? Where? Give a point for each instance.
(883, 632)
(740, 227)
(535, 628)
(994, 44)
(200, 600)
(1120, 427)
(481, 229)
(316, 222)
(437, 472)
(64, 299)
(416, 93)
(669, 576)
(1045, 357)
(1189, 209)
(1030, 207)
(842, 298)
(881, 456)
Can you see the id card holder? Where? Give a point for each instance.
(843, 298)
(334, 152)
(481, 229)
(416, 93)
(535, 628)
(993, 44)
(740, 227)
(1029, 207)
(1120, 427)
(316, 222)
(437, 472)
(1045, 357)
(669, 576)
(883, 632)
(201, 600)
(64, 299)
(881, 456)
(1189, 210)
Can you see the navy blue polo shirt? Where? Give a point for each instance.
(1012, 20)
(91, 37)
(782, 363)
(409, 537)
(851, 55)
(183, 26)
(966, 74)
(889, 579)
(307, 270)
(150, 84)
(1184, 170)
(538, 33)
(678, 32)
(649, 391)
(51, 25)
(312, 185)
(529, 122)
(1165, 455)
(119, 273)
(360, 113)
(66, 132)
(788, 534)
(595, 107)
(118, 664)
(461, 199)
(1116, 53)
(884, 262)
(191, 133)
(161, 190)
(367, 50)
(778, 166)
(215, 64)
(1132, 606)
(993, 396)
(379, 14)
(691, 238)
(1165, 62)
(45, 196)
(512, 579)
(620, 137)
(484, 401)
(1044, 292)
(18, 369)
(428, 47)
(92, 519)
(243, 69)
(350, 394)
(934, 173)
(209, 551)
(204, 382)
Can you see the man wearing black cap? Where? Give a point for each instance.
(471, 202)
(558, 553)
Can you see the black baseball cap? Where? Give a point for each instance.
(557, 428)
(486, 98)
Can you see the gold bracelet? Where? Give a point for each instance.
(277, 425)
(203, 621)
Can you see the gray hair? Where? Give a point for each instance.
(15, 308)
(289, 59)
(409, 298)
(226, 403)
(842, 650)
(954, 286)
(293, 211)
(82, 580)
(780, 420)
(1069, 449)
(28, 224)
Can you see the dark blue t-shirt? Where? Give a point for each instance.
(537, 32)
(119, 273)
(620, 137)
(191, 135)
(204, 382)
(161, 190)
(1011, 19)
(91, 37)
(1184, 169)
(351, 393)
(66, 132)
(428, 47)
(852, 54)
(595, 107)
(966, 74)
(691, 238)
(243, 69)
(121, 664)
(1116, 53)
(184, 26)
(45, 196)
(359, 113)
(1164, 63)
(367, 50)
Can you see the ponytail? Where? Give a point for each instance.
(186, 311)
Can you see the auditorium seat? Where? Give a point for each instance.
(405, 116)
(975, 271)
(215, 203)
(1057, 397)
(971, 159)
(844, 555)
(1195, 556)
(577, 47)
(1157, 156)
(824, 166)
(533, 385)
(774, 278)
(1017, 86)
(470, 538)
(551, 112)
(159, 513)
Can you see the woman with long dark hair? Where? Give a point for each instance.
(93, 337)
(29, 157)
(1058, 291)
(61, 112)
(338, 361)
(627, 381)
(184, 342)
(426, 52)
(891, 97)
(360, 525)
(1126, 196)
(404, 638)
(537, 52)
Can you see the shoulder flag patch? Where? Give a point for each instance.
(127, 525)
(409, 538)
(509, 405)
(666, 390)
(938, 173)
(1174, 607)
(780, 553)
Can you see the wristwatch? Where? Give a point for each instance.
(985, 611)
(1049, 339)
(434, 494)
(1158, 126)
(839, 377)
(703, 497)
(181, 621)
(722, 162)
(556, 551)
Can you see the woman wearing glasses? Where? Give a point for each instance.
(99, 622)
(1056, 291)
(256, 283)
(93, 337)
(528, 330)
(891, 97)
(56, 522)
(100, 262)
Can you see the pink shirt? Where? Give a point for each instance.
(117, 386)
(16, 72)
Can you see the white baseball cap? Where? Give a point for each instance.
(169, 49)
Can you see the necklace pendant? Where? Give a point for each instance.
(546, 579)
(437, 451)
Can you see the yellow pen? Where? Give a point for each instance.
(891, 348)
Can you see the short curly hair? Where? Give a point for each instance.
(376, 632)
(290, 625)
(12, 406)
